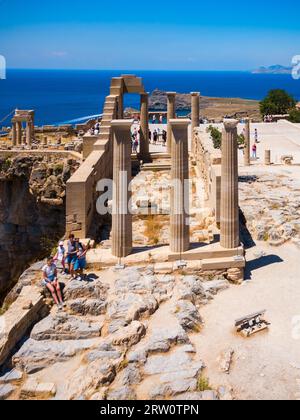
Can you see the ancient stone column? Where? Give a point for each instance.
(28, 134)
(247, 143)
(19, 133)
(230, 233)
(14, 134)
(121, 106)
(45, 140)
(179, 219)
(144, 132)
(195, 115)
(122, 217)
(268, 157)
(171, 115)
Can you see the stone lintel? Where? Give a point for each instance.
(180, 122)
(122, 124)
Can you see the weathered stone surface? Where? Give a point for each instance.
(216, 286)
(12, 376)
(77, 289)
(125, 393)
(36, 355)
(24, 185)
(17, 321)
(5, 391)
(82, 306)
(129, 336)
(86, 381)
(34, 389)
(225, 360)
(128, 307)
(188, 316)
(65, 327)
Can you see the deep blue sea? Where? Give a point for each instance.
(63, 96)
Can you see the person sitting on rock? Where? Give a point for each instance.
(71, 255)
(80, 263)
(60, 257)
(50, 281)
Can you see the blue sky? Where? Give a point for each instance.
(114, 34)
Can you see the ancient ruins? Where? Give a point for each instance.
(109, 153)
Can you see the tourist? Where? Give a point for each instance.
(254, 151)
(50, 281)
(150, 136)
(80, 263)
(154, 119)
(71, 255)
(164, 137)
(60, 257)
(161, 119)
(155, 137)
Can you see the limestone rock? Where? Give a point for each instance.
(65, 327)
(82, 306)
(6, 391)
(129, 336)
(11, 377)
(225, 360)
(125, 393)
(37, 355)
(34, 389)
(92, 290)
(87, 380)
(188, 316)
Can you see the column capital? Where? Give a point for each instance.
(122, 124)
(180, 122)
(170, 94)
(195, 94)
(230, 124)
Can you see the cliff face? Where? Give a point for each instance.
(32, 211)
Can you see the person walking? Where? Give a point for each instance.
(71, 254)
(164, 137)
(254, 151)
(155, 137)
(80, 263)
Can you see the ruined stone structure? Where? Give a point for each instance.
(108, 155)
(230, 227)
(179, 221)
(247, 143)
(121, 217)
(195, 113)
(171, 115)
(17, 128)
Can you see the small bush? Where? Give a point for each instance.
(203, 384)
(216, 136)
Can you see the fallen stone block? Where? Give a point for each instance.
(12, 376)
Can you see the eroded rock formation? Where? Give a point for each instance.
(32, 211)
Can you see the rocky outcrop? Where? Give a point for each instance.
(32, 211)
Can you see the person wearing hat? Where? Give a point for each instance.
(60, 257)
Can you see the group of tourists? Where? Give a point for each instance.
(70, 261)
(155, 137)
(95, 131)
(157, 119)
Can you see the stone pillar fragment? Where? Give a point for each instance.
(122, 216)
(268, 157)
(230, 233)
(247, 143)
(171, 115)
(179, 219)
(195, 96)
(28, 134)
(144, 132)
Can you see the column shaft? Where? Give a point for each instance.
(230, 235)
(268, 157)
(19, 133)
(122, 217)
(28, 134)
(144, 132)
(171, 115)
(247, 161)
(179, 219)
(14, 134)
(195, 116)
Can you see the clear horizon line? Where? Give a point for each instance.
(126, 70)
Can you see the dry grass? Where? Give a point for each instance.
(153, 227)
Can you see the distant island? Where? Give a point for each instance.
(276, 69)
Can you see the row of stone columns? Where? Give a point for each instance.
(179, 217)
(17, 133)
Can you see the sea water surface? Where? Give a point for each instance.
(70, 96)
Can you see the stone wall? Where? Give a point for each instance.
(81, 188)
(208, 165)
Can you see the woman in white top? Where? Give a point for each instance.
(50, 281)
